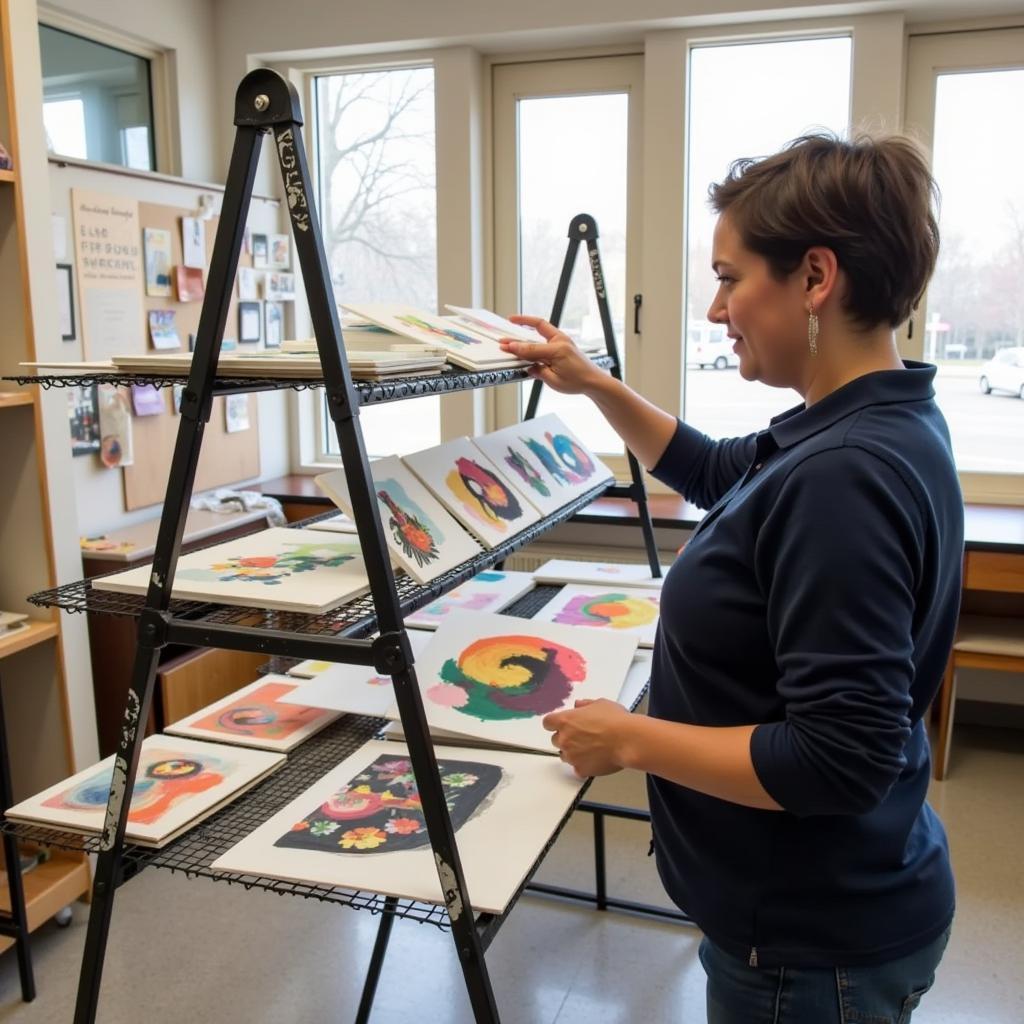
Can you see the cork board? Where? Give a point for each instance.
(225, 458)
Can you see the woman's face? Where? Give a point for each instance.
(766, 317)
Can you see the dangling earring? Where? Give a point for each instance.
(812, 332)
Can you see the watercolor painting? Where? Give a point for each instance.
(290, 569)
(179, 782)
(464, 346)
(494, 677)
(630, 610)
(423, 537)
(488, 591)
(379, 810)
(156, 247)
(474, 490)
(360, 827)
(619, 574)
(257, 716)
(353, 689)
(548, 463)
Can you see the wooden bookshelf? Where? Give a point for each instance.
(21, 639)
(9, 399)
(6, 177)
(49, 887)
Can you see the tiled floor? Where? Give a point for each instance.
(204, 952)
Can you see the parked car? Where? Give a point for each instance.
(711, 348)
(1004, 372)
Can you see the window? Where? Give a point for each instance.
(374, 141)
(745, 99)
(97, 101)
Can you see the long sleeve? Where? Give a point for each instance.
(700, 468)
(839, 559)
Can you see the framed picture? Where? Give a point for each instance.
(250, 322)
(84, 419)
(260, 252)
(65, 302)
(273, 315)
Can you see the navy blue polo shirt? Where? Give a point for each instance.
(816, 600)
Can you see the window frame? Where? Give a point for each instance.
(166, 151)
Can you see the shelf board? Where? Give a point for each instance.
(8, 399)
(7, 177)
(34, 633)
(49, 887)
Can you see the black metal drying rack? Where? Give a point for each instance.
(266, 102)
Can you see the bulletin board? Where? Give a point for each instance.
(225, 457)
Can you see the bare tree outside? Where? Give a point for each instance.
(377, 184)
(378, 205)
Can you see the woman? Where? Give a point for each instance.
(805, 627)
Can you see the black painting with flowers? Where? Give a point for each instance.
(379, 810)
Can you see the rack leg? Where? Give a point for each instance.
(600, 875)
(15, 885)
(108, 864)
(380, 947)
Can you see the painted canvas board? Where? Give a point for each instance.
(423, 538)
(260, 251)
(263, 714)
(637, 678)
(146, 400)
(279, 287)
(273, 314)
(340, 523)
(280, 251)
(354, 689)
(361, 826)
(629, 611)
(494, 326)
(619, 574)
(116, 447)
(489, 591)
(495, 677)
(474, 490)
(465, 347)
(162, 330)
(189, 282)
(291, 570)
(545, 457)
(179, 783)
(236, 413)
(248, 284)
(156, 247)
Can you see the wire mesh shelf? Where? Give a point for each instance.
(369, 392)
(354, 619)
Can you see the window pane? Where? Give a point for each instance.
(975, 302)
(745, 100)
(96, 101)
(375, 158)
(583, 171)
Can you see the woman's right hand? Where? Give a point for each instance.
(556, 360)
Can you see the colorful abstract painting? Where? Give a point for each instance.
(494, 677)
(179, 782)
(515, 675)
(474, 490)
(423, 537)
(379, 810)
(630, 610)
(361, 827)
(257, 716)
(294, 570)
(549, 464)
(488, 591)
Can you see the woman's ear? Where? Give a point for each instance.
(820, 273)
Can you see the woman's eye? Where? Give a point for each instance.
(724, 279)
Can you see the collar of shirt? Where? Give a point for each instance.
(911, 384)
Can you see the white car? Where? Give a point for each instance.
(713, 349)
(1004, 372)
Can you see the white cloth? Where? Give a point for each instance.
(226, 500)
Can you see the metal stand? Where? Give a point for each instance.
(14, 925)
(267, 102)
(583, 228)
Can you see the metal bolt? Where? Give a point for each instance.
(261, 102)
(583, 229)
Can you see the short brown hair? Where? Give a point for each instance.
(870, 200)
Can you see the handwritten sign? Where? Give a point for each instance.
(108, 260)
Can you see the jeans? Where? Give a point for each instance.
(882, 994)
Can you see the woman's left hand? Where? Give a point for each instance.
(589, 736)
